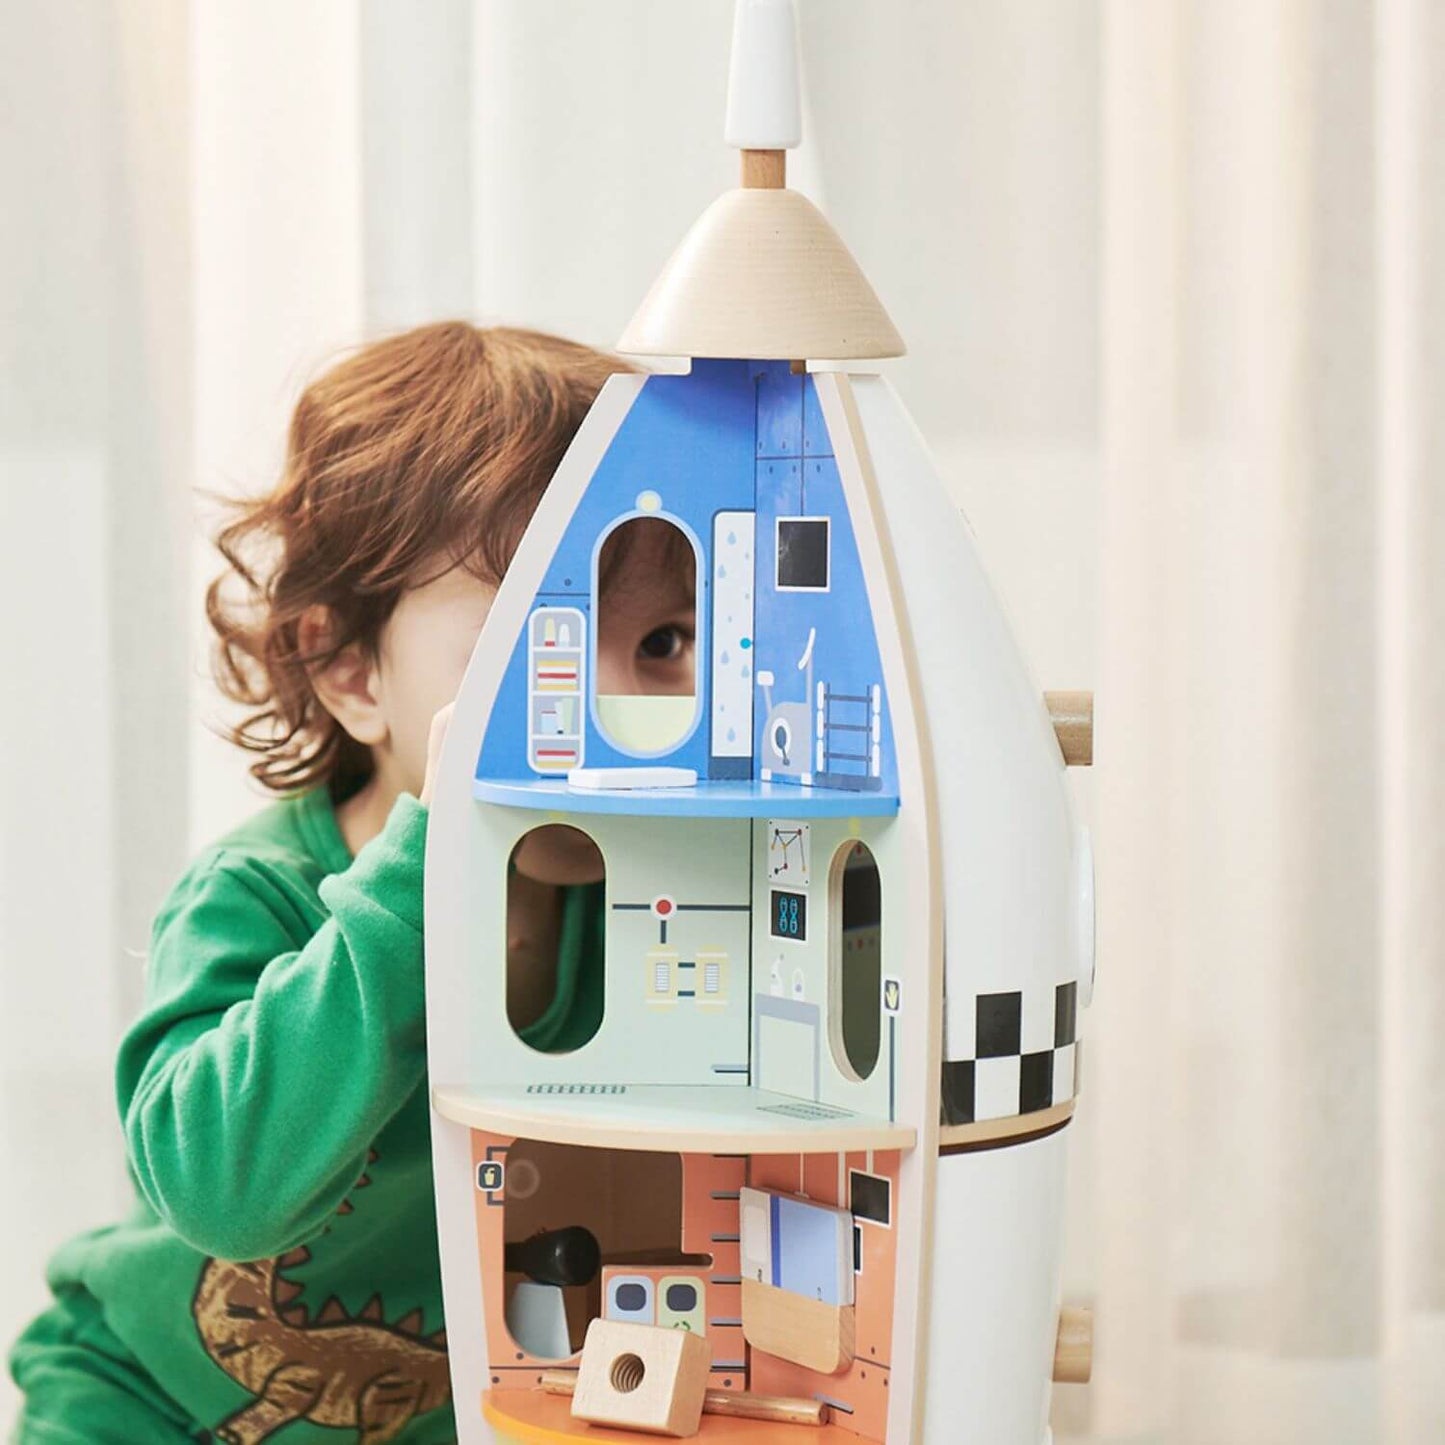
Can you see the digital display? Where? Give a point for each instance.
(802, 554)
(790, 915)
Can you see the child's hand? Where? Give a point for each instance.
(434, 742)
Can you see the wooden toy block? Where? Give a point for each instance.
(804, 1331)
(642, 1377)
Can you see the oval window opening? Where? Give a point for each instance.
(856, 975)
(556, 928)
(646, 670)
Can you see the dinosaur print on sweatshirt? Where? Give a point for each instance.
(334, 1370)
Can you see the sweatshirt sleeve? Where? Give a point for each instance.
(269, 1056)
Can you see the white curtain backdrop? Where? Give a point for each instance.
(1172, 274)
(1267, 1105)
(96, 434)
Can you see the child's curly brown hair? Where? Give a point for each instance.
(421, 451)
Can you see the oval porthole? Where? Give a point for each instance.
(856, 960)
(555, 938)
(645, 673)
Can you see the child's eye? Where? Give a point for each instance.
(664, 644)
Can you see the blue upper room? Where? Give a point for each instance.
(788, 686)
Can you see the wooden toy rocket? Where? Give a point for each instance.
(848, 913)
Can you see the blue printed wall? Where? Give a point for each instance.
(824, 718)
(790, 683)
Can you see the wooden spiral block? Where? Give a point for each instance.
(642, 1377)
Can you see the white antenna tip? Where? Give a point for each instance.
(765, 110)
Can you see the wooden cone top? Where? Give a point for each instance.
(763, 276)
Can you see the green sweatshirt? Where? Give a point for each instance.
(275, 1106)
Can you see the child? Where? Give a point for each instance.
(279, 1273)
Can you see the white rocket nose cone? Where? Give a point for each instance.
(764, 106)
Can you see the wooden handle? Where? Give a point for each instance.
(1072, 714)
(779, 1408)
(1074, 1347)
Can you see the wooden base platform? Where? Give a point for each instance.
(533, 1418)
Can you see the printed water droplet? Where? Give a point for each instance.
(747, 671)
(732, 539)
(732, 735)
(722, 571)
(725, 658)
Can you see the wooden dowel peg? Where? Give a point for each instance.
(1074, 1347)
(1072, 714)
(765, 170)
(782, 1409)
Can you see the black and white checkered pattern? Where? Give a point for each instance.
(1015, 1068)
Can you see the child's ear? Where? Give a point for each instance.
(348, 685)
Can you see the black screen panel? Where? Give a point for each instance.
(803, 553)
(870, 1197)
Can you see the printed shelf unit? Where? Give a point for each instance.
(556, 668)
